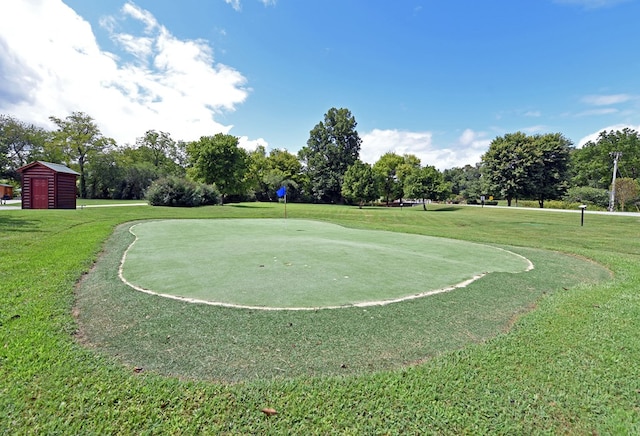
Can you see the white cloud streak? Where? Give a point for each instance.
(594, 136)
(468, 149)
(237, 5)
(171, 85)
(592, 4)
(606, 100)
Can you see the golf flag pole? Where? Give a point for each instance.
(282, 192)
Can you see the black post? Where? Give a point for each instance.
(582, 208)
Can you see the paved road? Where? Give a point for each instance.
(17, 205)
(586, 212)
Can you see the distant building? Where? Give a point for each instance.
(6, 192)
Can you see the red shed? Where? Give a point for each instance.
(47, 185)
(6, 191)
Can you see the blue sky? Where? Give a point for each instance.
(436, 78)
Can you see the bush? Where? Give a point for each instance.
(179, 192)
(587, 195)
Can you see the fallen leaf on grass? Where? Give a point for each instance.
(269, 411)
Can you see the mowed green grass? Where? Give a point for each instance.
(568, 366)
(277, 263)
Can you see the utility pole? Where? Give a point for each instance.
(612, 197)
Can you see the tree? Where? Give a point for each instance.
(426, 183)
(548, 168)
(360, 183)
(333, 146)
(104, 175)
(592, 164)
(218, 160)
(266, 174)
(627, 189)
(465, 182)
(257, 171)
(20, 143)
(505, 165)
(78, 138)
(517, 165)
(161, 151)
(387, 169)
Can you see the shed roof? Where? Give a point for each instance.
(58, 168)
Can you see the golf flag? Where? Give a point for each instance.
(281, 192)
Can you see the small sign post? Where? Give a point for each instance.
(582, 208)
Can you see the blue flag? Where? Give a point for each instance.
(281, 192)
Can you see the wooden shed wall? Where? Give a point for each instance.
(6, 190)
(65, 191)
(61, 189)
(37, 172)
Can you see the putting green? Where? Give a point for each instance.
(300, 264)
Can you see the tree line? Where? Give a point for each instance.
(328, 169)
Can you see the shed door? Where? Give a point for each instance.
(40, 193)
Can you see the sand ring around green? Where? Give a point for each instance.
(277, 264)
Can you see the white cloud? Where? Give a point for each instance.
(174, 86)
(592, 4)
(592, 112)
(534, 129)
(606, 100)
(468, 149)
(141, 15)
(235, 4)
(594, 136)
(252, 144)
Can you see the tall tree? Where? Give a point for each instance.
(360, 183)
(505, 165)
(465, 182)
(333, 146)
(426, 183)
(20, 143)
(161, 151)
(218, 160)
(257, 171)
(592, 165)
(548, 170)
(627, 190)
(266, 174)
(387, 168)
(78, 137)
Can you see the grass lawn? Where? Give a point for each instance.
(568, 366)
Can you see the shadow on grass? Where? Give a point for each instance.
(11, 223)
(247, 206)
(445, 209)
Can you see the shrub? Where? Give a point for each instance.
(587, 195)
(180, 192)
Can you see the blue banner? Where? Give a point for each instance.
(281, 192)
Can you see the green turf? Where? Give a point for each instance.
(569, 366)
(227, 344)
(300, 263)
